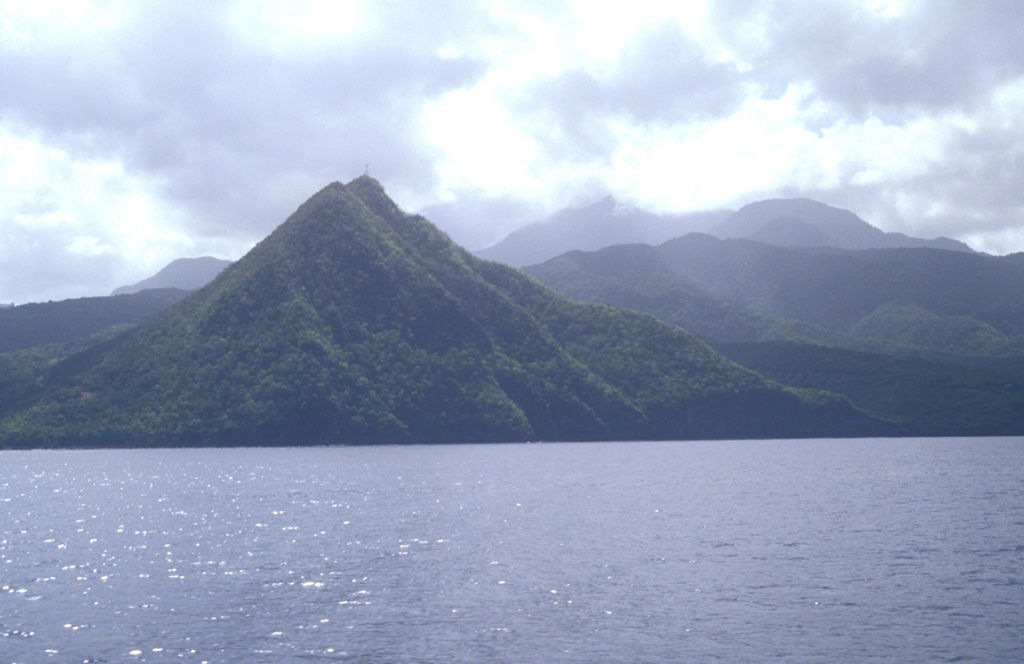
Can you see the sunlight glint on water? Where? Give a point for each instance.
(793, 551)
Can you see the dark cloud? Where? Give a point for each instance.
(661, 77)
(223, 121)
(230, 127)
(943, 54)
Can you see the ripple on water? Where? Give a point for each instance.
(618, 553)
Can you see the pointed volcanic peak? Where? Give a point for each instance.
(805, 222)
(354, 322)
(183, 273)
(601, 224)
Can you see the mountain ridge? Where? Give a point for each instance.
(804, 218)
(182, 273)
(353, 322)
(600, 224)
(779, 222)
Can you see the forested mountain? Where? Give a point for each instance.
(936, 398)
(356, 323)
(805, 222)
(602, 224)
(949, 301)
(635, 277)
(929, 338)
(183, 273)
(34, 324)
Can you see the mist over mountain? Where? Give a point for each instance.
(601, 224)
(805, 222)
(354, 322)
(856, 292)
(183, 273)
(797, 222)
(739, 290)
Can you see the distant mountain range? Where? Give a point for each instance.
(782, 222)
(951, 301)
(184, 273)
(802, 222)
(354, 322)
(933, 338)
(602, 224)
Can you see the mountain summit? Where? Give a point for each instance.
(806, 222)
(183, 273)
(602, 224)
(354, 322)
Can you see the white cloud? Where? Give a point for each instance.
(132, 132)
(72, 226)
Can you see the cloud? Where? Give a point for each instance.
(228, 129)
(880, 57)
(137, 132)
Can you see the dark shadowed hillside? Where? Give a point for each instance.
(58, 322)
(936, 398)
(636, 277)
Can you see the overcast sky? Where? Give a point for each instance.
(136, 132)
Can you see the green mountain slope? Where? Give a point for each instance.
(936, 398)
(941, 373)
(58, 322)
(945, 301)
(637, 277)
(356, 323)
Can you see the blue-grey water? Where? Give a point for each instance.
(780, 551)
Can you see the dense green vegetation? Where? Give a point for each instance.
(634, 277)
(356, 323)
(737, 290)
(935, 398)
(59, 322)
(927, 338)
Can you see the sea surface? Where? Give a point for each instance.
(907, 550)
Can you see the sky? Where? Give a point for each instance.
(136, 132)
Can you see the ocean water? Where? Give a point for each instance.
(905, 550)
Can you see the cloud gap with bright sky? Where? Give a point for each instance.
(136, 132)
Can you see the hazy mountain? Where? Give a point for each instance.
(903, 295)
(950, 301)
(34, 324)
(602, 224)
(356, 323)
(184, 273)
(804, 222)
(637, 277)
